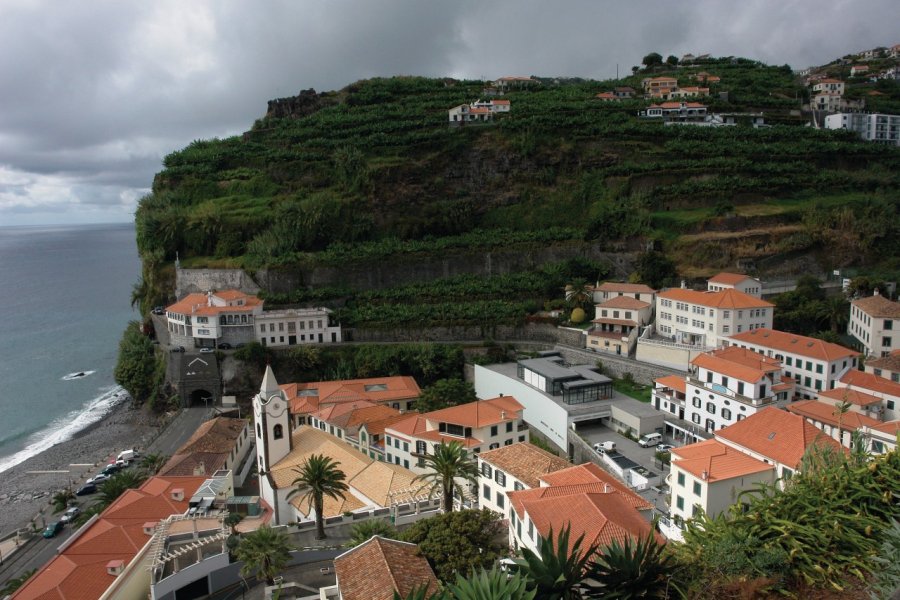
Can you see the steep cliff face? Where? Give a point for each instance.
(302, 105)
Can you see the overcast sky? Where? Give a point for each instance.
(94, 93)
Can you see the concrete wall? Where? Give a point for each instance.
(540, 412)
(672, 357)
(617, 366)
(639, 424)
(200, 280)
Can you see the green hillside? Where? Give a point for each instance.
(373, 172)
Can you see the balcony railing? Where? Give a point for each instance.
(718, 389)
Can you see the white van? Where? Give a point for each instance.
(126, 456)
(604, 447)
(650, 439)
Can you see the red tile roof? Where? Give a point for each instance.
(480, 413)
(306, 398)
(606, 96)
(526, 462)
(776, 434)
(725, 299)
(827, 413)
(377, 568)
(625, 288)
(887, 363)
(197, 304)
(79, 572)
(673, 381)
(888, 427)
(625, 302)
(878, 306)
(589, 474)
(850, 395)
(728, 278)
(739, 363)
(713, 461)
(796, 344)
(871, 382)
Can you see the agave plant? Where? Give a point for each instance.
(490, 585)
(635, 569)
(558, 572)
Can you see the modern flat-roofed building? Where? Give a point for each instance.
(872, 127)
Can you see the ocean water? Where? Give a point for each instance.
(65, 299)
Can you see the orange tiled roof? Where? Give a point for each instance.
(725, 299)
(796, 344)
(307, 398)
(890, 362)
(828, 414)
(871, 382)
(678, 105)
(713, 461)
(197, 304)
(890, 427)
(480, 413)
(589, 474)
(673, 381)
(79, 572)
(850, 395)
(625, 302)
(729, 278)
(737, 362)
(526, 462)
(606, 96)
(878, 306)
(500, 101)
(377, 568)
(776, 434)
(625, 288)
(830, 80)
(209, 447)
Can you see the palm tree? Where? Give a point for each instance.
(317, 478)
(558, 571)
(61, 499)
(635, 569)
(449, 464)
(363, 531)
(115, 486)
(264, 553)
(152, 463)
(840, 409)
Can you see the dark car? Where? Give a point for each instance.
(88, 488)
(52, 529)
(224, 346)
(159, 310)
(110, 469)
(176, 349)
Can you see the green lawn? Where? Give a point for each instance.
(635, 390)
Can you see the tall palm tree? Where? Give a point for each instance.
(117, 485)
(319, 477)
(364, 530)
(449, 466)
(840, 409)
(264, 553)
(557, 572)
(152, 463)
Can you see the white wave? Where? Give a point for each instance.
(77, 375)
(66, 427)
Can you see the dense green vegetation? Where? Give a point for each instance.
(139, 368)
(373, 172)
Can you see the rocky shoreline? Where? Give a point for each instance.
(27, 488)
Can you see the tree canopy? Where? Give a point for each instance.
(445, 392)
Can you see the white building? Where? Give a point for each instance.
(206, 320)
(614, 289)
(829, 86)
(875, 324)
(585, 498)
(735, 281)
(874, 127)
(479, 426)
(814, 365)
(882, 438)
(478, 111)
(886, 366)
(858, 382)
(704, 319)
(510, 469)
(675, 111)
(731, 384)
(297, 326)
(708, 476)
(827, 417)
(617, 323)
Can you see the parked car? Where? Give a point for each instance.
(664, 447)
(86, 489)
(604, 447)
(240, 345)
(70, 514)
(176, 349)
(224, 346)
(207, 350)
(98, 479)
(110, 469)
(52, 529)
(650, 439)
(159, 310)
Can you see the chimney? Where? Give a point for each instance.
(605, 488)
(704, 475)
(178, 494)
(503, 415)
(683, 284)
(200, 469)
(149, 528)
(876, 292)
(115, 567)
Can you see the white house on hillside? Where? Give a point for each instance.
(875, 324)
(872, 127)
(735, 281)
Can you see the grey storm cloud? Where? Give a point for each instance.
(95, 93)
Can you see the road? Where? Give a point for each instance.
(37, 551)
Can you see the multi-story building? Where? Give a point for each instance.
(510, 469)
(479, 110)
(882, 438)
(585, 498)
(233, 317)
(688, 92)
(297, 326)
(219, 445)
(875, 324)
(659, 87)
(872, 127)
(675, 111)
(859, 382)
(859, 70)
(735, 281)
(708, 475)
(703, 319)
(776, 437)
(886, 366)
(617, 324)
(614, 289)
(814, 365)
(829, 86)
(729, 385)
(360, 424)
(479, 426)
(828, 417)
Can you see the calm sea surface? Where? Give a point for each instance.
(65, 298)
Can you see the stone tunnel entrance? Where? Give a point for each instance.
(201, 397)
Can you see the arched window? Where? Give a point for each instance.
(278, 432)
(258, 431)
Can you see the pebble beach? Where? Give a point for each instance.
(26, 488)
